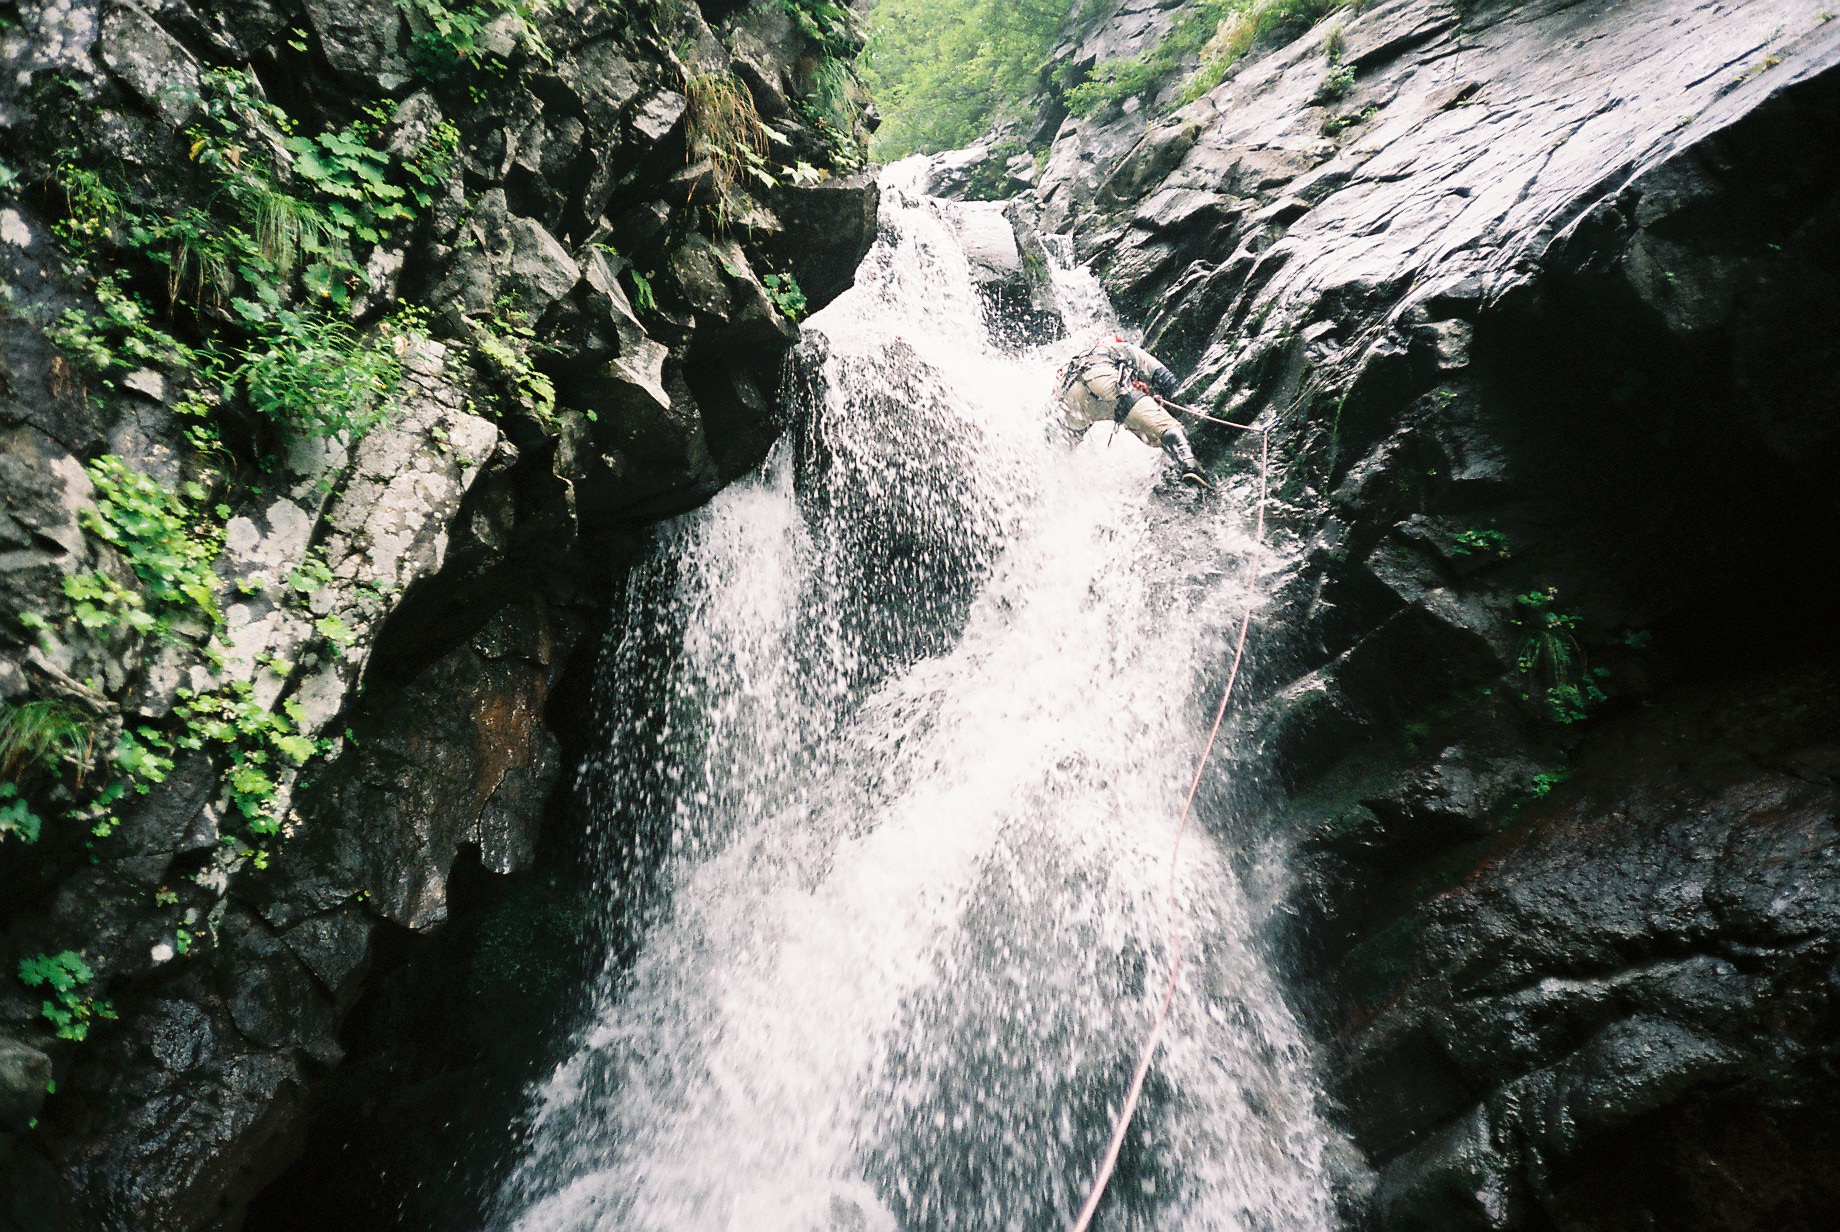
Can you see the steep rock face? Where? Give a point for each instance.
(389, 614)
(1538, 302)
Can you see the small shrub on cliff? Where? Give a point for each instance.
(1335, 85)
(831, 108)
(1553, 661)
(507, 342)
(317, 376)
(257, 742)
(118, 336)
(1481, 541)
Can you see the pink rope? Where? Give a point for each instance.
(1135, 1092)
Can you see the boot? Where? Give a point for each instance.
(1175, 444)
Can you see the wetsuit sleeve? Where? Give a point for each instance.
(1154, 372)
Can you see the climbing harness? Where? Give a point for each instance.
(1135, 1091)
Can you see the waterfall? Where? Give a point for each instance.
(897, 738)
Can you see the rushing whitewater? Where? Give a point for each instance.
(897, 735)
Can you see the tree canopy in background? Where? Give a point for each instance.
(943, 70)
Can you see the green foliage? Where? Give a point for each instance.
(16, 815)
(1544, 782)
(39, 736)
(784, 291)
(450, 38)
(830, 25)
(311, 575)
(943, 71)
(831, 108)
(168, 539)
(989, 180)
(92, 208)
(101, 604)
(1190, 35)
(644, 299)
(257, 742)
(172, 544)
(1553, 662)
(507, 342)
(724, 126)
(68, 1009)
(119, 336)
(301, 204)
(1335, 85)
(315, 375)
(1478, 541)
(289, 213)
(1203, 42)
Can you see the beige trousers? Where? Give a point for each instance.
(1094, 398)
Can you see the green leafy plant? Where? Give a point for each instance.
(311, 575)
(644, 299)
(317, 376)
(1552, 660)
(452, 38)
(784, 291)
(830, 106)
(66, 1007)
(257, 742)
(1480, 542)
(830, 25)
(165, 536)
(119, 335)
(507, 343)
(275, 257)
(16, 815)
(302, 204)
(92, 206)
(1335, 85)
(1544, 782)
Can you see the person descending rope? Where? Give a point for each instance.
(1127, 385)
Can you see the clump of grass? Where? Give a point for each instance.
(39, 735)
(725, 127)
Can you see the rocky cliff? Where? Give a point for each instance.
(1538, 301)
(347, 344)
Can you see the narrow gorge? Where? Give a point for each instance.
(557, 677)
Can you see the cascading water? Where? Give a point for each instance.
(899, 733)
